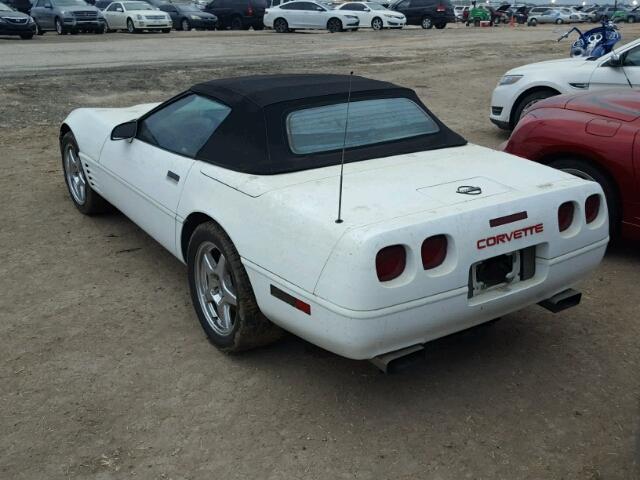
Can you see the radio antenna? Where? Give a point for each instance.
(344, 146)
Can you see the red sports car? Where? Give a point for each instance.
(592, 135)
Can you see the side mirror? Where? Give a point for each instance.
(125, 131)
(614, 62)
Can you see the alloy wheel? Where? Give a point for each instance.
(59, 29)
(75, 176)
(185, 25)
(334, 25)
(376, 24)
(215, 288)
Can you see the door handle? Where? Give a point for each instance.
(173, 176)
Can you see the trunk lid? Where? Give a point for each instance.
(393, 187)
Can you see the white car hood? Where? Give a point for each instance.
(561, 64)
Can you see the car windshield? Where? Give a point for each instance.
(4, 8)
(137, 6)
(322, 129)
(70, 3)
(190, 7)
(375, 6)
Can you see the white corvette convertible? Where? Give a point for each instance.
(523, 86)
(239, 179)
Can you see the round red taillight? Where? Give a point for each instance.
(592, 207)
(434, 251)
(390, 262)
(565, 215)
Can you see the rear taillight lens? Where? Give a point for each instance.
(592, 208)
(390, 262)
(440, 8)
(250, 11)
(565, 215)
(434, 251)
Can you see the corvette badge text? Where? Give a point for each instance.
(507, 237)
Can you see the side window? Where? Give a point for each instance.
(291, 6)
(632, 58)
(358, 7)
(309, 7)
(185, 125)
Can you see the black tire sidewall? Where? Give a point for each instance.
(540, 95)
(185, 25)
(280, 21)
(334, 22)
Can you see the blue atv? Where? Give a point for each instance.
(596, 42)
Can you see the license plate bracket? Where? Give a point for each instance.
(494, 272)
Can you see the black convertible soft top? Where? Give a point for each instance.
(253, 137)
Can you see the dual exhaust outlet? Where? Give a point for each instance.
(394, 362)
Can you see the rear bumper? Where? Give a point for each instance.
(367, 334)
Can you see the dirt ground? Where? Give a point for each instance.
(106, 374)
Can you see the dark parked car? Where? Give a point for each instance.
(13, 22)
(186, 16)
(605, 12)
(23, 6)
(238, 14)
(427, 13)
(67, 16)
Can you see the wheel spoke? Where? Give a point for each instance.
(208, 263)
(228, 295)
(221, 268)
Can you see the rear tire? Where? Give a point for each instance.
(185, 26)
(39, 31)
(585, 170)
(280, 25)
(236, 23)
(82, 195)
(225, 288)
(532, 23)
(426, 23)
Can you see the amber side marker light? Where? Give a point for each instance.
(565, 216)
(592, 207)
(291, 300)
